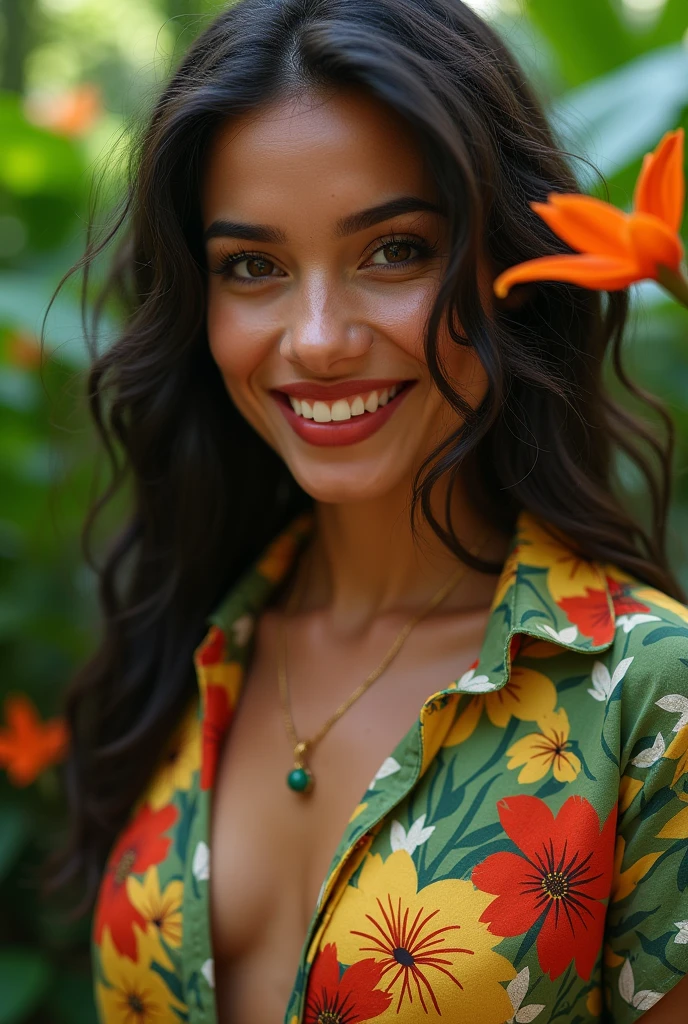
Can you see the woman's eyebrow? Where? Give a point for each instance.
(348, 225)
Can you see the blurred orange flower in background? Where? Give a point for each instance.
(27, 745)
(71, 112)
(23, 350)
(615, 249)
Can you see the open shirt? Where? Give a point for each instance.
(521, 855)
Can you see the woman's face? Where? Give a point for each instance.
(326, 249)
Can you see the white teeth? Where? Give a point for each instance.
(341, 410)
(321, 412)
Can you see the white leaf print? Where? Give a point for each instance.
(389, 766)
(629, 622)
(601, 681)
(200, 865)
(471, 683)
(242, 629)
(529, 1012)
(620, 671)
(681, 936)
(677, 703)
(648, 757)
(517, 988)
(626, 982)
(208, 972)
(646, 998)
(565, 636)
(411, 840)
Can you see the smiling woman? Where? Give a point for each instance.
(389, 717)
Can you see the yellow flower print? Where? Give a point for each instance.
(180, 760)
(593, 1002)
(135, 994)
(568, 575)
(162, 912)
(624, 882)
(278, 557)
(651, 596)
(507, 578)
(628, 791)
(678, 751)
(437, 959)
(545, 749)
(528, 696)
(676, 827)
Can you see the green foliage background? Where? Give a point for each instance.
(614, 74)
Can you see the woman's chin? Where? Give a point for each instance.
(343, 485)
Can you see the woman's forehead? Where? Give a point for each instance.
(344, 146)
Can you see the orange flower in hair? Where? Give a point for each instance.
(615, 249)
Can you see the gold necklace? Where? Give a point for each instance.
(300, 778)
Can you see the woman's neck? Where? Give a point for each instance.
(365, 560)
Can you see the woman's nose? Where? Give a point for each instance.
(324, 332)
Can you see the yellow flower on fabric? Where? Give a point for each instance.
(628, 791)
(181, 759)
(278, 557)
(528, 695)
(507, 578)
(593, 1002)
(624, 882)
(676, 827)
(437, 959)
(545, 749)
(135, 994)
(162, 912)
(568, 575)
(678, 751)
(652, 596)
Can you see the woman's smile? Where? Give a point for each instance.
(344, 413)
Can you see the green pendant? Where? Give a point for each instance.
(300, 780)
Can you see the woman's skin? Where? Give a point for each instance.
(327, 297)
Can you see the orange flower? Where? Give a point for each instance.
(614, 249)
(27, 745)
(73, 112)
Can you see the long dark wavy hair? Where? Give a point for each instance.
(207, 493)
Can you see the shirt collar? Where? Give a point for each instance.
(545, 591)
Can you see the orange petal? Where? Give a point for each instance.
(601, 272)
(586, 224)
(21, 716)
(660, 189)
(654, 243)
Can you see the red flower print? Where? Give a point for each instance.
(217, 715)
(563, 872)
(348, 999)
(212, 650)
(591, 614)
(623, 604)
(140, 846)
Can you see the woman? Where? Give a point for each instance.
(375, 526)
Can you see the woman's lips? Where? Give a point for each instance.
(350, 431)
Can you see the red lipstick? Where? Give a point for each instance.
(350, 431)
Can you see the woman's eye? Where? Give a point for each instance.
(394, 252)
(252, 267)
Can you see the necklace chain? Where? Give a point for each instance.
(301, 778)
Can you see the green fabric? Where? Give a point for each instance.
(486, 874)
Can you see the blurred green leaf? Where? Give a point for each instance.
(72, 1001)
(25, 975)
(14, 831)
(622, 115)
(588, 36)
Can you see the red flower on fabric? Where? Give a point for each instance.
(348, 999)
(212, 650)
(557, 881)
(140, 846)
(217, 714)
(591, 614)
(623, 604)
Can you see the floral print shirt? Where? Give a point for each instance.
(521, 855)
